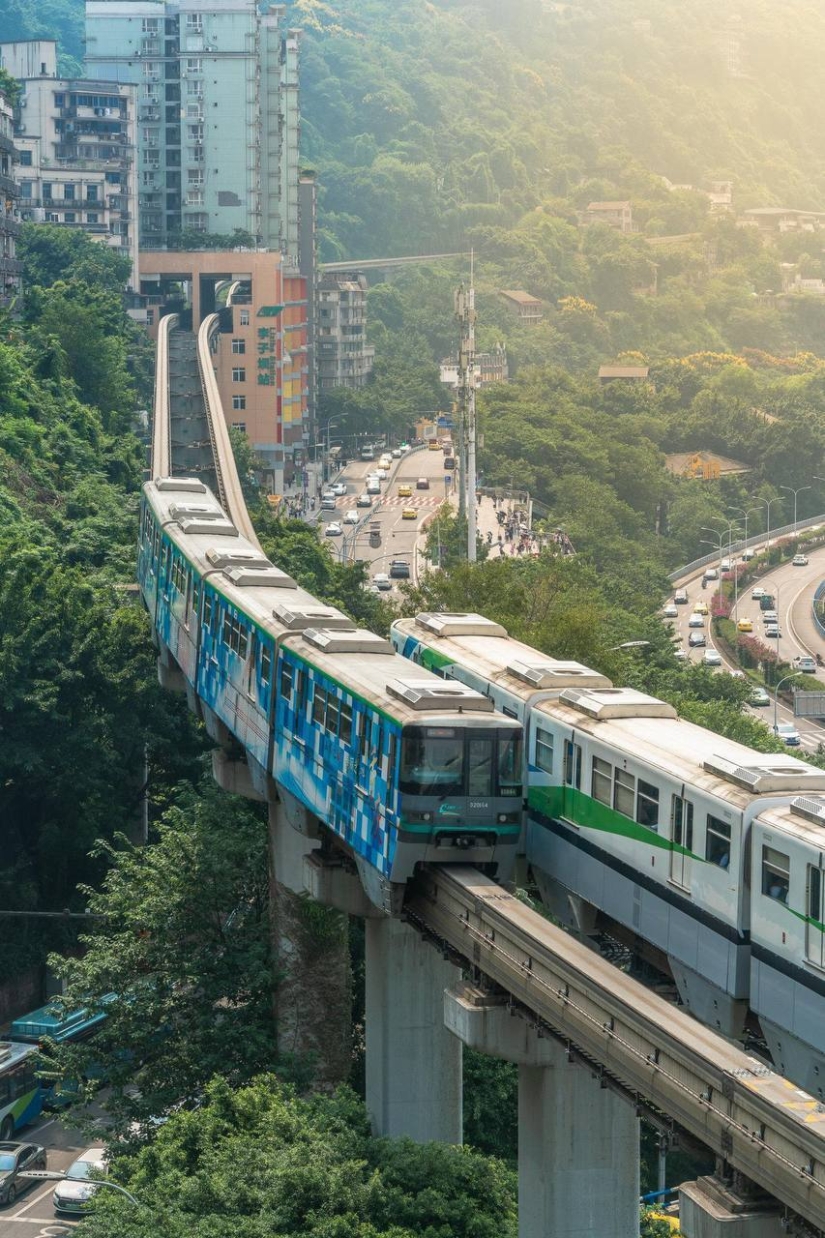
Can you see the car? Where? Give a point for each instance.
(409, 513)
(670, 611)
(711, 573)
(75, 1191)
(351, 517)
(772, 631)
(397, 453)
(712, 657)
(680, 654)
(759, 697)
(766, 602)
(696, 620)
(770, 616)
(14, 1158)
(735, 674)
(757, 593)
(399, 569)
(328, 502)
(364, 500)
(382, 473)
(339, 487)
(449, 462)
(701, 608)
(680, 597)
(373, 485)
(386, 461)
(804, 662)
(423, 483)
(799, 561)
(788, 734)
(382, 581)
(747, 555)
(403, 448)
(696, 640)
(744, 625)
(725, 565)
(404, 491)
(334, 529)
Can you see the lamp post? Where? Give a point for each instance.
(768, 503)
(746, 514)
(795, 492)
(784, 679)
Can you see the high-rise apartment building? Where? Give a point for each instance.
(217, 85)
(343, 357)
(76, 148)
(10, 267)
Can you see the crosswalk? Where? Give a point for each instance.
(347, 502)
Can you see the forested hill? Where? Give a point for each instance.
(427, 116)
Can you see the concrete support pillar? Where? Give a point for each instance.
(310, 947)
(413, 1064)
(578, 1142)
(710, 1208)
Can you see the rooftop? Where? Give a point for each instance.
(523, 298)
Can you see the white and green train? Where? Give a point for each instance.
(710, 854)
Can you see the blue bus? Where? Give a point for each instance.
(21, 1096)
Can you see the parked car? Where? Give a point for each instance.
(788, 734)
(804, 662)
(334, 529)
(759, 697)
(744, 625)
(680, 597)
(696, 640)
(382, 581)
(696, 620)
(339, 487)
(799, 561)
(670, 611)
(14, 1158)
(423, 483)
(75, 1191)
(712, 657)
(351, 517)
(399, 569)
(364, 500)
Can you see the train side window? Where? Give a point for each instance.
(252, 668)
(717, 841)
(346, 723)
(544, 750)
(196, 595)
(266, 665)
(178, 574)
(392, 744)
(363, 735)
(602, 780)
(286, 681)
(319, 705)
(303, 689)
(331, 722)
(624, 792)
(207, 610)
(776, 874)
(647, 805)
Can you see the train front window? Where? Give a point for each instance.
(432, 762)
(480, 766)
(509, 763)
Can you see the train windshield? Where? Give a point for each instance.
(453, 761)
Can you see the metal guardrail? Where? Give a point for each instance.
(161, 420)
(817, 596)
(736, 547)
(771, 1132)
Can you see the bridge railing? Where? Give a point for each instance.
(161, 422)
(736, 547)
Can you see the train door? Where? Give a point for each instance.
(681, 837)
(573, 764)
(814, 935)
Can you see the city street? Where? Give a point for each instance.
(33, 1215)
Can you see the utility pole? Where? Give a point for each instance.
(465, 312)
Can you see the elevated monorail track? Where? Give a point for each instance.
(762, 1125)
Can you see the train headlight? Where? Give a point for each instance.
(416, 816)
(505, 818)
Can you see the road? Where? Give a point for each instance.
(793, 588)
(32, 1215)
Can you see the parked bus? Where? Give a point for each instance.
(21, 1096)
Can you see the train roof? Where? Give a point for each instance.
(650, 731)
(804, 818)
(323, 635)
(485, 647)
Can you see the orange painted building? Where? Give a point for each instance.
(261, 359)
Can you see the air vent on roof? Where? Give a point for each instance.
(457, 624)
(774, 772)
(553, 674)
(236, 556)
(433, 694)
(201, 511)
(616, 703)
(181, 485)
(812, 808)
(357, 641)
(300, 618)
(222, 527)
(254, 577)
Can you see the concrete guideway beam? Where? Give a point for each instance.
(578, 1142)
(708, 1208)
(413, 1064)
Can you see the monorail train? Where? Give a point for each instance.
(402, 767)
(706, 851)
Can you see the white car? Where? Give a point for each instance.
(800, 561)
(671, 611)
(364, 500)
(696, 620)
(747, 555)
(725, 565)
(373, 485)
(351, 517)
(804, 662)
(334, 530)
(328, 501)
(770, 616)
(339, 487)
(712, 657)
(788, 734)
(397, 453)
(382, 472)
(757, 593)
(382, 581)
(680, 654)
(772, 631)
(74, 1192)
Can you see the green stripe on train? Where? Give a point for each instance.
(570, 804)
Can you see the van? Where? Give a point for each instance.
(367, 453)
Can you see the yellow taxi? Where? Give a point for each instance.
(744, 625)
(404, 492)
(409, 513)
(701, 608)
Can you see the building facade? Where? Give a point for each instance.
(344, 359)
(218, 121)
(10, 267)
(76, 147)
(488, 368)
(528, 309)
(261, 358)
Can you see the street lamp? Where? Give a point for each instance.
(746, 514)
(768, 503)
(785, 678)
(53, 1175)
(795, 493)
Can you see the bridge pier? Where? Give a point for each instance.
(712, 1208)
(413, 1064)
(578, 1142)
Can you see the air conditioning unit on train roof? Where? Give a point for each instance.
(359, 640)
(458, 624)
(439, 694)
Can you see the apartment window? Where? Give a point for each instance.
(150, 25)
(25, 189)
(717, 841)
(544, 751)
(194, 66)
(195, 133)
(70, 217)
(92, 217)
(194, 87)
(776, 874)
(194, 176)
(238, 374)
(60, 100)
(25, 158)
(600, 789)
(68, 193)
(91, 193)
(239, 425)
(239, 346)
(624, 792)
(194, 21)
(239, 403)
(243, 319)
(647, 805)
